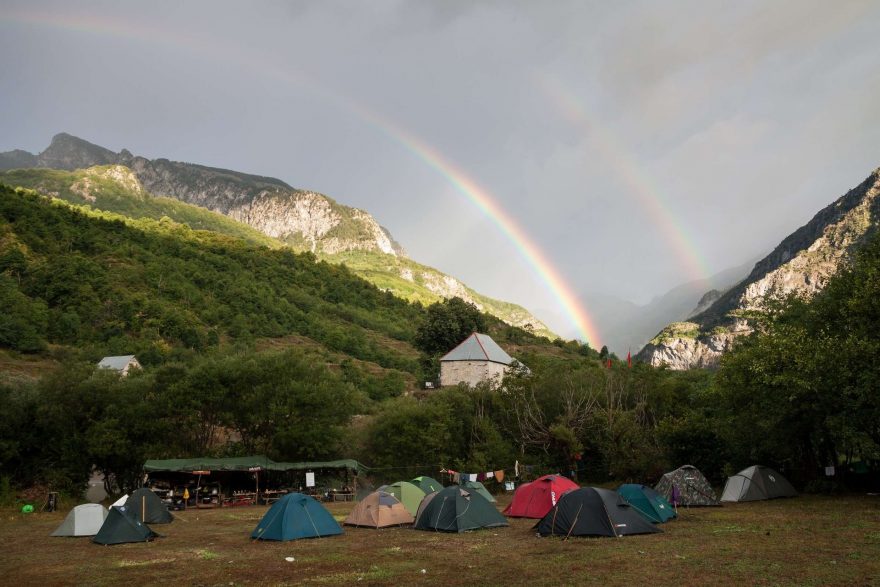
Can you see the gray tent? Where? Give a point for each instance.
(83, 520)
(686, 486)
(755, 483)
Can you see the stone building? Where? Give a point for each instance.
(477, 358)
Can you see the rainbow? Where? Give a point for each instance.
(639, 183)
(458, 179)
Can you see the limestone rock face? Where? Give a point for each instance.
(801, 265)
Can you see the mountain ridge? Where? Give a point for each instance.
(302, 219)
(800, 265)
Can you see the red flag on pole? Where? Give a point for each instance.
(629, 360)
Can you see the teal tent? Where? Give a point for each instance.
(427, 484)
(479, 488)
(647, 502)
(296, 516)
(455, 509)
(122, 525)
(148, 508)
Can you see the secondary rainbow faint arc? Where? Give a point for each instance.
(488, 205)
(631, 173)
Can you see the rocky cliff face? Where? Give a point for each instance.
(305, 220)
(800, 265)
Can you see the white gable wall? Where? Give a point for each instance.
(470, 372)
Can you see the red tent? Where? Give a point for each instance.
(535, 499)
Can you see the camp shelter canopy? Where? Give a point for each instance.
(756, 483)
(410, 495)
(647, 502)
(687, 486)
(296, 516)
(455, 509)
(593, 511)
(479, 488)
(122, 526)
(379, 510)
(83, 520)
(535, 499)
(427, 484)
(250, 463)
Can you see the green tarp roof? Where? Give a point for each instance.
(246, 464)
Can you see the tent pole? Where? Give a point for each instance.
(576, 516)
(143, 509)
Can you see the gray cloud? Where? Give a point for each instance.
(740, 120)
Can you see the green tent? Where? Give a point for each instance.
(647, 502)
(296, 516)
(122, 526)
(479, 488)
(148, 508)
(427, 484)
(455, 509)
(408, 494)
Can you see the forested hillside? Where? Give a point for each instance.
(255, 350)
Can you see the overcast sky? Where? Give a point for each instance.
(639, 145)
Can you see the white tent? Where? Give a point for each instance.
(756, 483)
(83, 520)
(120, 501)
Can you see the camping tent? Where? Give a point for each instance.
(592, 511)
(535, 499)
(757, 482)
(122, 525)
(686, 486)
(455, 509)
(148, 508)
(647, 502)
(120, 501)
(427, 484)
(479, 488)
(83, 520)
(296, 516)
(408, 494)
(378, 510)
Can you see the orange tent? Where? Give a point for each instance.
(378, 510)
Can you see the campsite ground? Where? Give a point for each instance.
(804, 541)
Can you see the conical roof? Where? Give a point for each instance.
(478, 347)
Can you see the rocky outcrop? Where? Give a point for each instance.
(306, 220)
(801, 265)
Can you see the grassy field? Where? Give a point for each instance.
(802, 541)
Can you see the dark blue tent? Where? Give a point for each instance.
(296, 516)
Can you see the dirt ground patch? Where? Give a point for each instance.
(802, 541)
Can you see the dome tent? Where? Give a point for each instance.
(647, 502)
(686, 486)
(296, 516)
(379, 510)
(122, 525)
(83, 520)
(455, 509)
(148, 508)
(535, 499)
(592, 511)
(408, 494)
(427, 484)
(756, 483)
(479, 488)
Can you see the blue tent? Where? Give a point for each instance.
(296, 516)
